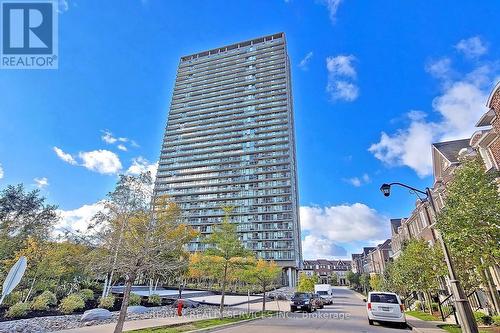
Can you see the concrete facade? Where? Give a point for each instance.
(230, 141)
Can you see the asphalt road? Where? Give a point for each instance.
(347, 314)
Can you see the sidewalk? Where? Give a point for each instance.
(423, 326)
(145, 323)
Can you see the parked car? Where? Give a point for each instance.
(303, 301)
(325, 291)
(385, 307)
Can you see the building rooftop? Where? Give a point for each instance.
(395, 224)
(450, 149)
(233, 46)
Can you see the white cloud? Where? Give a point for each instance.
(1, 171)
(341, 66)
(333, 7)
(359, 181)
(120, 142)
(108, 137)
(314, 247)
(140, 165)
(457, 109)
(64, 156)
(343, 223)
(102, 161)
(410, 146)
(41, 182)
(304, 62)
(77, 220)
(341, 76)
(472, 47)
(440, 68)
(355, 181)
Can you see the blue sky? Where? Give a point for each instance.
(374, 83)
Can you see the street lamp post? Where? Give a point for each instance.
(464, 311)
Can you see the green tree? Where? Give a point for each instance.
(419, 266)
(376, 282)
(55, 266)
(364, 281)
(470, 220)
(224, 258)
(306, 283)
(393, 280)
(353, 279)
(264, 274)
(143, 239)
(335, 279)
(22, 215)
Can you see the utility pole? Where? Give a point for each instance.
(465, 315)
(464, 311)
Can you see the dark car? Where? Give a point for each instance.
(303, 301)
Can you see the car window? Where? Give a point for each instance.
(384, 298)
(301, 295)
(322, 292)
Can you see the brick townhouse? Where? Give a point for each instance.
(327, 269)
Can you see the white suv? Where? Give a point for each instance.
(385, 307)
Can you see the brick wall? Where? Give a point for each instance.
(495, 146)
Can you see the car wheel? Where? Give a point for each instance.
(310, 309)
(293, 309)
(403, 325)
(370, 322)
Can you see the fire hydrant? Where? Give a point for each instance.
(179, 307)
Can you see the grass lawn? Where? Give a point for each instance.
(202, 324)
(422, 315)
(456, 329)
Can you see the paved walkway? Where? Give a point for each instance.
(145, 323)
(424, 326)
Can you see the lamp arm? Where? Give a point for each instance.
(409, 187)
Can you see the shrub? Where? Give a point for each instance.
(482, 318)
(92, 285)
(17, 310)
(107, 302)
(71, 303)
(134, 299)
(50, 297)
(435, 307)
(495, 320)
(154, 299)
(13, 298)
(40, 303)
(418, 305)
(86, 294)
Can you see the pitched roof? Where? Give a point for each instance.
(450, 149)
(395, 224)
(385, 245)
(367, 250)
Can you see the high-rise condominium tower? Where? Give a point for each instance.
(230, 141)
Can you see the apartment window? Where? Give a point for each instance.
(486, 157)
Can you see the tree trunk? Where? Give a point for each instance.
(223, 293)
(264, 298)
(429, 301)
(129, 279)
(31, 289)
